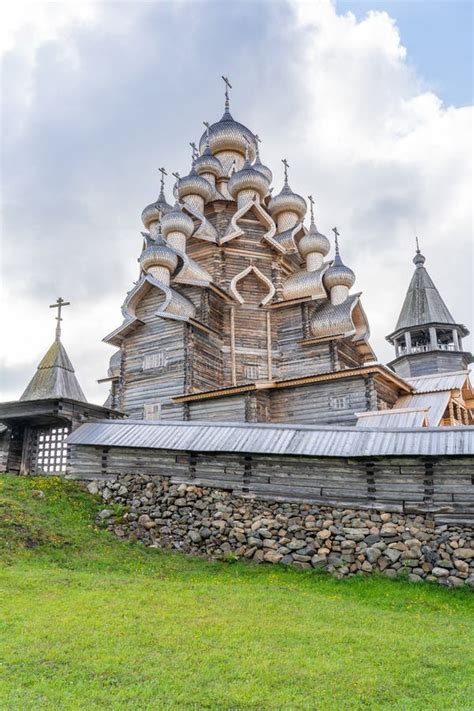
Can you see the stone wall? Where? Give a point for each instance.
(344, 541)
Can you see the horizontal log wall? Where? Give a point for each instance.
(443, 486)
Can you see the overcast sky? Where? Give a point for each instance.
(95, 97)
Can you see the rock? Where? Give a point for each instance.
(324, 534)
(258, 556)
(455, 582)
(461, 565)
(440, 572)
(413, 578)
(195, 536)
(272, 556)
(287, 560)
(92, 487)
(105, 513)
(464, 553)
(366, 566)
(205, 533)
(319, 561)
(392, 554)
(373, 554)
(390, 573)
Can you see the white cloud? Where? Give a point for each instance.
(114, 90)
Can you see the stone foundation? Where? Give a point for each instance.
(216, 523)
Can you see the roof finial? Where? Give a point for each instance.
(59, 305)
(195, 152)
(228, 86)
(417, 246)
(207, 125)
(336, 240)
(418, 259)
(247, 148)
(257, 141)
(287, 165)
(162, 182)
(311, 200)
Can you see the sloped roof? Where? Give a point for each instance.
(437, 382)
(54, 377)
(423, 303)
(403, 416)
(434, 402)
(295, 440)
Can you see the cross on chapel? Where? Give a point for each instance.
(286, 166)
(59, 305)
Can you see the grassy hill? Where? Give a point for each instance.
(92, 622)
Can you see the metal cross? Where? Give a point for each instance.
(311, 200)
(417, 246)
(247, 148)
(287, 165)
(59, 305)
(207, 125)
(195, 150)
(336, 235)
(176, 175)
(228, 86)
(257, 140)
(162, 181)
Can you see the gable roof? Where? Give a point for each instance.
(436, 382)
(409, 416)
(54, 377)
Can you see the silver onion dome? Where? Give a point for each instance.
(158, 254)
(152, 212)
(418, 259)
(207, 163)
(248, 179)
(194, 184)
(263, 169)
(177, 221)
(287, 201)
(313, 241)
(338, 275)
(229, 135)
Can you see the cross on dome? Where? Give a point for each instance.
(195, 153)
(162, 180)
(59, 305)
(336, 240)
(311, 200)
(286, 166)
(228, 86)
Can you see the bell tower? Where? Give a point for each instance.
(426, 338)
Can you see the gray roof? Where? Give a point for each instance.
(423, 303)
(54, 377)
(277, 439)
(437, 382)
(434, 402)
(406, 416)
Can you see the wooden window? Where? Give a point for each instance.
(252, 371)
(339, 402)
(51, 451)
(155, 360)
(152, 411)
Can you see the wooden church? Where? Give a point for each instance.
(239, 312)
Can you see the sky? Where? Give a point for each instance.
(370, 102)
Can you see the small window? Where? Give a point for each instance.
(155, 360)
(252, 372)
(339, 402)
(152, 411)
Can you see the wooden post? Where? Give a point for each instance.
(269, 345)
(408, 341)
(232, 345)
(433, 339)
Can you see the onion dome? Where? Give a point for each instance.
(258, 165)
(158, 254)
(229, 135)
(418, 259)
(152, 212)
(313, 241)
(193, 184)
(248, 179)
(177, 221)
(287, 201)
(338, 274)
(263, 169)
(207, 163)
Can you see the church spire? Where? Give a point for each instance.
(427, 339)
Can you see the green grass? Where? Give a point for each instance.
(91, 622)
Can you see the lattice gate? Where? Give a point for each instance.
(47, 450)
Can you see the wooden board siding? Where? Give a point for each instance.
(315, 404)
(231, 409)
(443, 486)
(153, 385)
